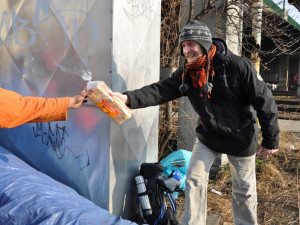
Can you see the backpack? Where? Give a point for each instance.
(158, 190)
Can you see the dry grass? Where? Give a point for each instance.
(277, 186)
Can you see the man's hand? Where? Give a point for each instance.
(78, 100)
(123, 98)
(267, 152)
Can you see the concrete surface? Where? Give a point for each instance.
(289, 125)
(213, 219)
(210, 219)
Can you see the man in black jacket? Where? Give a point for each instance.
(228, 95)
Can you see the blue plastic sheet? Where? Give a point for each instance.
(28, 196)
(178, 160)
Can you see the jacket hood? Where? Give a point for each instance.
(221, 46)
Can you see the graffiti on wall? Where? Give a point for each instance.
(139, 8)
(55, 137)
(26, 51)
(41, 15)
(26, 33)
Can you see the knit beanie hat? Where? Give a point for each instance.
(198, 32)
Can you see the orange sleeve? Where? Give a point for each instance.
(16, 110)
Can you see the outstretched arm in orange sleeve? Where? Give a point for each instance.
(16, 109)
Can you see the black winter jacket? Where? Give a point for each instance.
(227, 122)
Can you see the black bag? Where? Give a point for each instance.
(162, 203)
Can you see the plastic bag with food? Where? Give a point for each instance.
(112, 106)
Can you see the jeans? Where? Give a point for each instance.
(244, 196)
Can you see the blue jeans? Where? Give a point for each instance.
(244, 196)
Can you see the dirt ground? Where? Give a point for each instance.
(277, 187)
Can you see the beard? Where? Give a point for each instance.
(192, 57)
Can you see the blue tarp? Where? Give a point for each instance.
(28, 196)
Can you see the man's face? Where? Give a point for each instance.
(192, 51)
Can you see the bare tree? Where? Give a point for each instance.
(279, 36)
(170, 29)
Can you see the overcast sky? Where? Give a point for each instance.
(293, 12)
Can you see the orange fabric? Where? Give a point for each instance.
(16, 110)
(197, 70)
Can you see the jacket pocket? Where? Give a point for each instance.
(242, 142)
(227, 129)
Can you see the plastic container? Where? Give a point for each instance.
(113, 107)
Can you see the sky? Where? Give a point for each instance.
(293, 12)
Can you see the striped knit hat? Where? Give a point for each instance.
(198, 32)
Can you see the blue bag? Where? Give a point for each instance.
(178, 160)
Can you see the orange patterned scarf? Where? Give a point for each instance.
(198, 69)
